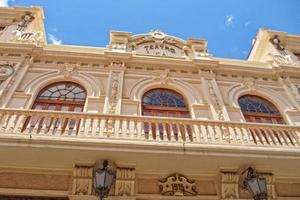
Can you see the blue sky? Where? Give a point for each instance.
(228, 25)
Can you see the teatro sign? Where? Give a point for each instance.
(158, 44)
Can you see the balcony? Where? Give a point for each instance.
(22, 124)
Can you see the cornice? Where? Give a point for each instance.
(217, 65)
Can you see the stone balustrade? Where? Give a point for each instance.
(145, 128)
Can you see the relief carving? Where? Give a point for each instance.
(113, 98)
(26, 20)
(229, 185)
(125, 182)
(270, 185)
(6, 70)
(68, 71)
(82, 180)
(177, 185)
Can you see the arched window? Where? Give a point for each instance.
(260, 110)
(63, 96)
(164, 102)
(60, 96)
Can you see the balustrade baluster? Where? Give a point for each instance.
(218, 134)
(11, 123)
(165, 136)
(82, 126)
(204, 133)
(272, 138)
(179, 135)
(151, 132)
(196, 132)
(293, 136)
(248, 136)
(261, 136)
(210, 133)
(158, 136)
(102, 127)
(20, 123)
(239, 134)
(139, 129)
(94, 126)
(286, 140)
(132, 129)
(4, 121)
(117, 128)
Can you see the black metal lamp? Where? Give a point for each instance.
(255, 184)
(103, 180)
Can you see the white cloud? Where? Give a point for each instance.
(229, 20)
(54, 40)
(54, 29)
(247, 23)
(4, 3)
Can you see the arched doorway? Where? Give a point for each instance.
(59, 96)
(259, 110)
(166, 103)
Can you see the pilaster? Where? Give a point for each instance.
(15, 80)
(125, 182)
(82, 180)
(290, 91)
(213, 95)
(113, 100)
(229, 185)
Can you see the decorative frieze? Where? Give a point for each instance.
(82, 180)
(177, 185)
(125, 182)
(229, 185)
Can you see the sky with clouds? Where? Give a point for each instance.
(228, 25)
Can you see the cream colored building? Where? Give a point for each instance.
(155, 105)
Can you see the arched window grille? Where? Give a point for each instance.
(166, 103)
(60, 96)
(64, 96)
(259, 110)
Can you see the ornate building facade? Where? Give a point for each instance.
(177, 122)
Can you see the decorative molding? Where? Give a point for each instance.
(249, 83)
(68, 70)
(82, 180)
(125, 182)
(6, 70)
(270, 185)
(229, 185)
(177, 185)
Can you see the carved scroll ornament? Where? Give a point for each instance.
(6, 70)
(177, 185)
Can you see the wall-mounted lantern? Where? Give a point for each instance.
(104, 177)
(255, 184)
